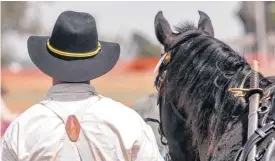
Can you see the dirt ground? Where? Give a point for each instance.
(26, 88)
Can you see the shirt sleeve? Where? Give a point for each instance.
(6, 153)
(7, 147)
(146, 148)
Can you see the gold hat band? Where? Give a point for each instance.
(77, 55)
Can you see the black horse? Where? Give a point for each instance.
(201, 119)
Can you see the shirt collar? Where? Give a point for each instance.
(71, 88)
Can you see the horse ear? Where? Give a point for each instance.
(163, 30)
(205, 24)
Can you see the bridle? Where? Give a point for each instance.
(265, 123)
(165, 59)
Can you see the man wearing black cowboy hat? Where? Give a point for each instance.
(74, 122)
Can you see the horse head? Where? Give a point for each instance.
(194, 77)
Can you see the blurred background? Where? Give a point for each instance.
(248, 27)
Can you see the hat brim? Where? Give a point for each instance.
(75, 70)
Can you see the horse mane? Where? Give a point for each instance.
(185, 26)
(201, 70)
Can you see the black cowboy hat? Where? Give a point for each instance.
(73, 53)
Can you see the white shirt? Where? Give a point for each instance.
(114, 131)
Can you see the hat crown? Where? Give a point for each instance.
(74, 32)
(73, 52)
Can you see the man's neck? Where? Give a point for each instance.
(56, 82)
